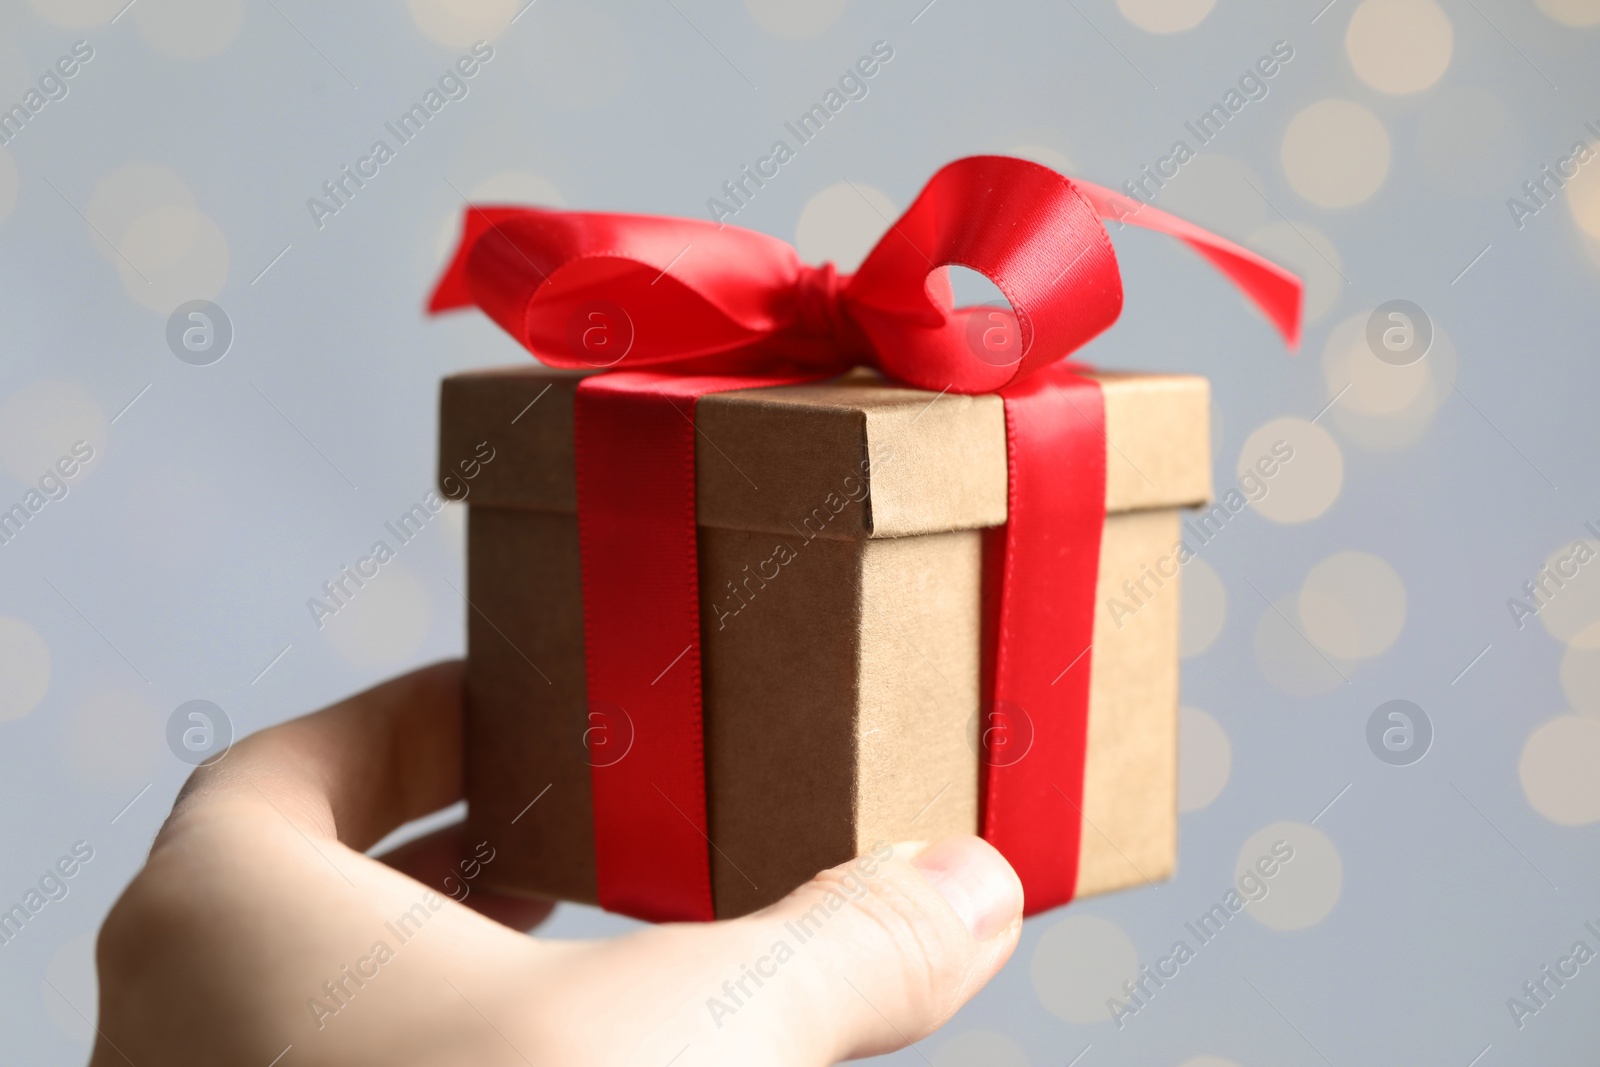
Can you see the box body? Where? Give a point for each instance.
(840, 571)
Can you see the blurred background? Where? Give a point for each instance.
(188, 483)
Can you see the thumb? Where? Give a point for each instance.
(884, 949)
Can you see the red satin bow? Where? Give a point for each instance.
(681, 308)
(704, 298)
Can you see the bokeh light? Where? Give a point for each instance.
(1399, 46)
(1336, 153)
(1580, 672)
(1570, 594)
(1557, 770)
(795, 20)
(40, 424)
(24, 668)
(1379, 405)
(1205, 759)
(980, 1048)
(1204, 609)
(77, 14)
(1079, 964)
(171, 255)
(1305, 887)
(1308, 469)
(189, 29)
(1353, 605)
(1572, 12)
(1165, 16)
(460, 23)
(1583, 195)
(842, 223)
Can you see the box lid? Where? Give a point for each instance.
(917, 462)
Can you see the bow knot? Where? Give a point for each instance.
(818, 309)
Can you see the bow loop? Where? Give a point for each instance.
(1026, 228)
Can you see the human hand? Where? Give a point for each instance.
(257, 896)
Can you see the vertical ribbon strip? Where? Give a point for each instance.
(1039, 580)
(638, 541)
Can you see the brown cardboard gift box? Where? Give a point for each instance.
(840, 559)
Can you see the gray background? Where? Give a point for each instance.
(179, 564)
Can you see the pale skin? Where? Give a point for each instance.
(257, 892)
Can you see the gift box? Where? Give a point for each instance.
(771, 565)
(840, 600)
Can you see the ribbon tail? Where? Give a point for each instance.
(1276, 291)
(454, 288)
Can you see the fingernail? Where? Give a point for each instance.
(975, 880)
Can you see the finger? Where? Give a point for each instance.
(890, 945)
(865, 958)
(355, 770)
(447, 862)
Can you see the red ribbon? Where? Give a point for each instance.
(682, 308)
